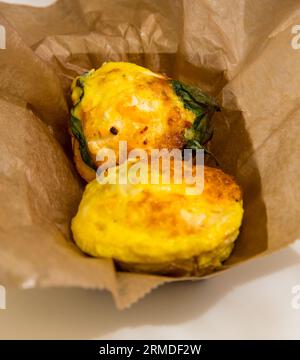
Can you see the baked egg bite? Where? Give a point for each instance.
(125, 102)
(158, 228)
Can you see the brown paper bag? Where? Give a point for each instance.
(239, 50)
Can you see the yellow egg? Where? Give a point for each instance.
(160, 228)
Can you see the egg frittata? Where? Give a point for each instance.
(125, 102)
(158, 228)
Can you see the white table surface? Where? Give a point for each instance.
(251, 301)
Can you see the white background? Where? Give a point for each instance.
(251, 301)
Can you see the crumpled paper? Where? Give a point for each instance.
(240, 51)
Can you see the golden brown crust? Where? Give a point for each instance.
(220, 186)
(181, 267)
(87, 173)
